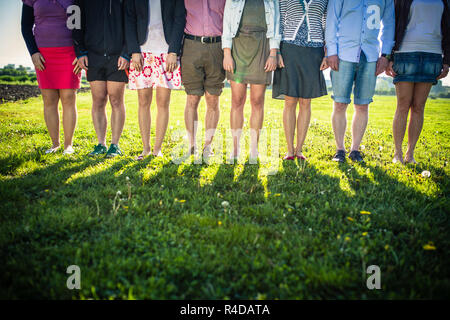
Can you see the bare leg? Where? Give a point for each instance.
(405, 93)
(339, 122)
(162, 117)
(51, 114)
(289, 122)
(359, 125)
(304, 118)
(421, 91)
(145, 119)
(99, 100)
(211, 117)
(257, 92)
(69, 106)
(238, 97)
(191, 118)
(116, 92)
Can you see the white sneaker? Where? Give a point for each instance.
(68, 150)
(51, 150)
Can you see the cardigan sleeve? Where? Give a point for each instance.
(27, 25)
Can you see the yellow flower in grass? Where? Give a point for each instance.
(182, 201)
(350, 219)
(386, 247)
(219, 223)
(364, 212)
(429, 246)
(347, 239)
(365, 234)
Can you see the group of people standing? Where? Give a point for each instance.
(164, 44)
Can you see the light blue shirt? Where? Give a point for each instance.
(354, 26)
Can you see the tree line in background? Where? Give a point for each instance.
(12, 74)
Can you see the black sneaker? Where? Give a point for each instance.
(355, 155)
(339, 156)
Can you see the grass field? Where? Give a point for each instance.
(295, 234)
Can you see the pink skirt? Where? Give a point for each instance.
(58, 72)
(154, 74)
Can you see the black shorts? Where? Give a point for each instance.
(101, 68)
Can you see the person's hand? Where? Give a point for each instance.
(228, 62)
(76, 68)
(333, 62)
(38, 61)
(137, 61)
(280, 61)
(82, 64)
(444, 72)
(324, 65)
(382, 64)
(171, 62)
(272, 62)
(123, 64)
(390, 70)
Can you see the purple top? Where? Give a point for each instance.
(50, 20)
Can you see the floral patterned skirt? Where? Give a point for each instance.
(154, 74)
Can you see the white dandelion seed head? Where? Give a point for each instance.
(426, 174)
(225, 204)
(119, 193)
(363, 147)
(127, 178)
(380, 148)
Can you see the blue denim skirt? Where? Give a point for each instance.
(417, 67)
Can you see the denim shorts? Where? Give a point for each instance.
(361, 75)
(417, 67)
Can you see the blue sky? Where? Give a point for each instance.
(12, 46)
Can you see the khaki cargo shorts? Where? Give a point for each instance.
(202, 68)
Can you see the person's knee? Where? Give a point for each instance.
(362, 109)
(404, 104)
(192, 102)
(340, 107)
(417, 108)
(116, 101)
(305, 104)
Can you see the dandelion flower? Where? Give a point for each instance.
(225, 204)
(386, 247)
(426, 174)
(219, 223)
(277, 194)
(365, 234)
(363, 147)
(347, 239)
(119, 193)
(182, 201)
(350, 219)
(127, 178)
(364, 212)
(429, 246)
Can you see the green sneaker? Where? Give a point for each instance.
(98, 150)
(113, 151)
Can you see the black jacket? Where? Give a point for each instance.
(102, 28)
(402, 8)
(136, 23)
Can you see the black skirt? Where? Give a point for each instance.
(301, 76)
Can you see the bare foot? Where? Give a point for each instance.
(397, 159)
(410, 160)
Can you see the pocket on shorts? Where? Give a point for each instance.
(406, 66)
(432, 68)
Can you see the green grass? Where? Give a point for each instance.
(283, 236)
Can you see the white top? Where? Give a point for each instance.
(156, 42)
(423, 32)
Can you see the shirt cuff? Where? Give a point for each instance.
(332, 50)
(227, 43)
(274, 44)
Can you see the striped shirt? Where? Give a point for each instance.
(303, 22)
